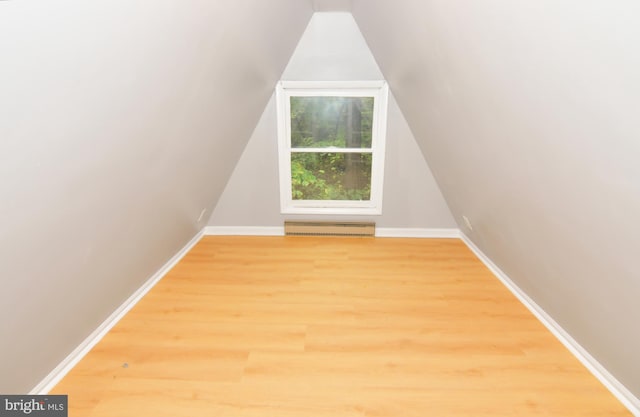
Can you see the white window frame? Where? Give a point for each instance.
(376, 89)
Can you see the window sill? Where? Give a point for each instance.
(353, 211)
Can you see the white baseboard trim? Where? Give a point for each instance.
(620, 391)
(417, 232)
(79, 352)
(244, 231)
(380, 231)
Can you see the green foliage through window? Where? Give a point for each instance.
(334, 124)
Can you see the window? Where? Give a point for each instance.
(331, 146)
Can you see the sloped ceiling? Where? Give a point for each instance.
(528, 114)
(120, 121)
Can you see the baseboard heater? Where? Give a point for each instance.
(313, 228)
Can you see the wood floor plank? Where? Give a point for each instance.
(353, 327)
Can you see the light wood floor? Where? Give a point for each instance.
(340, 327)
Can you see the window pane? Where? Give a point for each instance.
(343, 122)
(331, 176)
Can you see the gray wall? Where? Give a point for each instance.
(528, 114)
(332, 48)
(120, 121)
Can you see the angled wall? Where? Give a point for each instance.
(121, 122)
(332, 48)
(527, 112)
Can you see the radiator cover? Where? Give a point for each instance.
(315, 228)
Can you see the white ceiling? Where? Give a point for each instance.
(332, 5)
